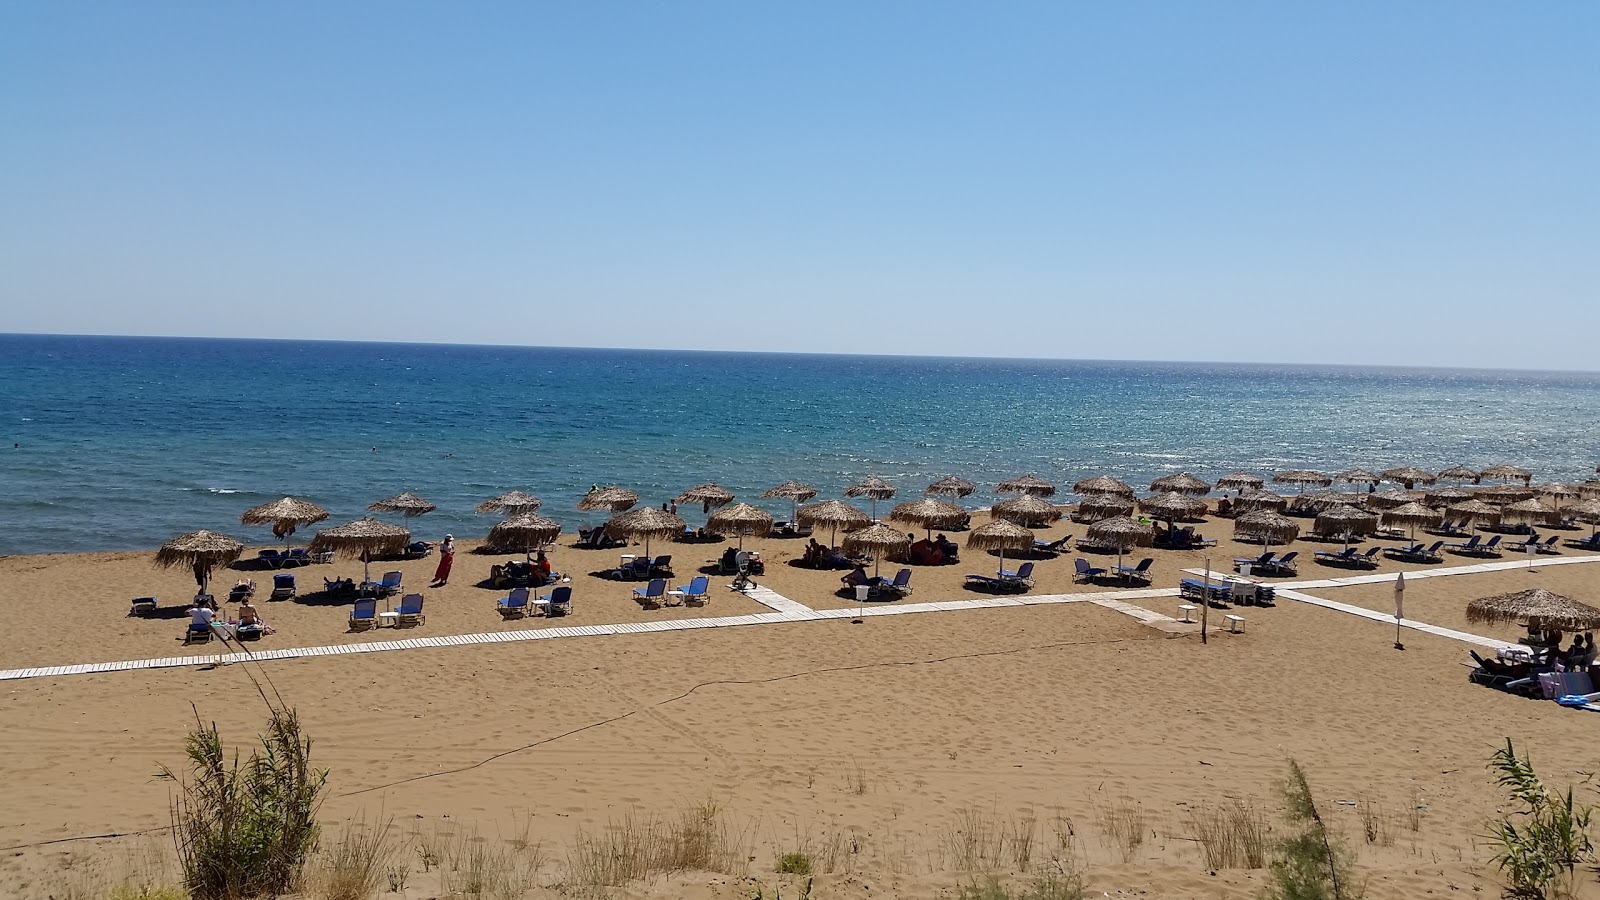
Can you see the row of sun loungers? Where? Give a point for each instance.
(642, 568)
(278, 559)
(655, 594)
(1269, 563)
(519, 603)
(1004, 581)
(365, 613)
(1225, 594)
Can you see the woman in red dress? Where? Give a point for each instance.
(447, 555)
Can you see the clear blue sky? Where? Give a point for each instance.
(1405, 183)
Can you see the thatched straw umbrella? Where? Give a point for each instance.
(1412, 514)
(1539, 608)
(362, 539)
(1505, 472)
(511, 503)
(646, 524)
(611, 498)
(835, 514)
(1267, 527)
(1410, 476)
(201, 551)
(709, 495)
(880, 540)
(740, 519)
(1027, 510)
(1534, 511)
(1346, 521)
(284, 516)
(1171, 506)
(873, 489)
(1357, 476)
(1460, 474)
(1030, 484)
(951, 486)
(1325, 499)
(1249, 500)
(525, 530)
(407, 504)
(1557, 492)
(928, 513)
(1438, 497)
(1388, 498)
(1301, 478)
(1181, 483)
(1504, 493)
(1240, 481)
(1587, 511)
(1000, 535)
(1103, 484)
(1589, 488)
(1475, 511)
(1102, 506)
(793, 491)
(1122, 532)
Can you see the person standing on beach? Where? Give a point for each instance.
(447, 555)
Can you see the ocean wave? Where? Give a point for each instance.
(223, 491)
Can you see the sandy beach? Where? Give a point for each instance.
(885, 750)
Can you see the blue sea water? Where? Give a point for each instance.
(126, 442)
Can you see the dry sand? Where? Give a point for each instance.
(880, 741)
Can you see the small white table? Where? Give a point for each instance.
(393, 618)
(675, 598)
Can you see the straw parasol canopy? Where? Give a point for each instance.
(873, 489)
(645, 525)
(1557, 489)
(1181, 483)
(1265, 526)
(1027, 510)
(1505, 472)
(1409, 476)
(1357, 476)
(1346, 521)
(1411, 514)
(1240, 480)
(1103, 484)
(201, 551)
(511, 503)
(1172, 505)
(793, 491)
(1587, 511)
(1259, 499)
(928, 513)
(1389, 498)
(880, 540)
(1532, 510)
(1325, 499)
(1445, 496)
(740, 519)
(1102, 506)
(1460, 474)
(709, 495)
(362, 539)
(284, 516)
(835, 514)
(611, 498)
(525, 530)
(1029, 484)
(1302, 477)
(406, 504)
(1000, 535)
(1504, 493)
(1539, 608)
(1475, 510)
(951, 486)
(1589, 488)
(1123, 532)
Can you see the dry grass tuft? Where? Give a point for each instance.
(1231, 836)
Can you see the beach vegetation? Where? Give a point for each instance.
(1540, 846)
(793, 863)
(1233, 835)
(1312, 863)
(474, 866)
(354, 866)
(979, 841)
(1055, 883)
(698, 838)
(246, 829)
(1122, 821)
(759, 892)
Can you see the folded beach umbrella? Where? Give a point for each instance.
(880, 540)
(1027, 510)
(928, 513)
(1102, 506)
(362, 539)
(611, 498)
(406, 504)
(1238, 481)
(1459, 474)
(1265, 526)
(1345, 520)
(1412, 515)
(1103, 484)
(1357, 476)
(835, 514)
(1028, 484)
(1539, 608)
(645, 525)
(511, 503)
(1000, 535)
(741, 519)
(1123, 533)
(526, 530)
(1302, 477)
(201, 551)
(1506, 472)
(793, 491)
(951, 486)
(1181, 483)
(284, 516)
(709, 495)
(1410, 476)
(874, 489)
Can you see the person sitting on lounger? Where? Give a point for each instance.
(543, 565)
(1573, 659)
(858, 577)
(248, 614)
(200, 616)
(946, 547)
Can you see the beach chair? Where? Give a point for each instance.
(899, 586)
(338, 587)
(1549, 546)
(418, 549)
(1490, 548)
(514, 605)
(410, 611)
(1020, 580)
(283, 587)
(1465, 547)
(558, 602)
(1082, 571)
(1258, 562)
(651, 595)
(1336, 557)
(364, 615)
(985, 583)
(242, 591)
(390, 584)
(273, 558)
(1282, 566)
(143, 606)
(1056, 546)
(201, 634)
(1139, 573)
(661, 565)
(694, 593)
